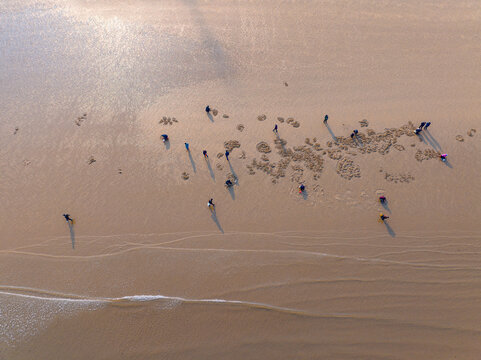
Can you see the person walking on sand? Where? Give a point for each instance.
(422, 125)
(186, 146)
(68, 218)
(382, 199)
(205, 154)
(443, 157)
(211, 204)
(427, 125)
(207, 109)
(383, 217)
(417, 131)
(164, 137)
(227, 154)
(301, 188)
(275, 129)
(325, 119)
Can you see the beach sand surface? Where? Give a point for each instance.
(147, 271)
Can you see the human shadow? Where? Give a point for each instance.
(304, 194)
(211, 118)
(72, 234)
(432, 141)
(358, 141)
(231, 191)
(236, 179)
(389, 229)
(212, 175)
(385, 205)
(283, 147)
(447, 163)
(192, 161)
(330, 132)
(167, 144)
(213, 215)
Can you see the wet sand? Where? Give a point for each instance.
(147, 271)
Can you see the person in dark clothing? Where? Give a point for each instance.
(302, 188)
(382, 199)
(352, 135)
(227, 154)
(427, 125)
(325, 118)
(207, 109)
(355, 132)
(205, 154)
(383, 217)
(211, 204)
(228, 183)
(164, 137)
(186, 146)
(417, 131)
(422, 124)
(68, 218)
(275, 129)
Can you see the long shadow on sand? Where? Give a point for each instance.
(167, 144)
(213, 215)
(432, 141)
(389, 229)
(212, 175)
(192, 161)
(236, 179)
(72, 234)
(231, 192)
(211, 118)
(330, 132)
(304, 194)
(385, 205)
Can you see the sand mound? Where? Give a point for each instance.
(471, 132)
(262, 117)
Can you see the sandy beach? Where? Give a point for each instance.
(147, 271)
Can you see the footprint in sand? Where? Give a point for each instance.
(285, 83)
(240, 127)
(219, 167)
(119, 170)
(280, 119)
(26, 162)
(91, 160)
(16, 130)
(215, 112)
(81, 119)
(225, 116)
(185, 176)
(219, 155)
(459, 138)
(242, 155)
(262, 117)
(471, 132)
(399, 147)
(364, 123)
